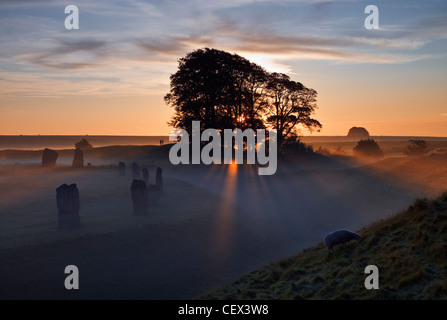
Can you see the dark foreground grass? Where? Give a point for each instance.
(410, 250)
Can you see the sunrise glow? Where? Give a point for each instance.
(109, 76)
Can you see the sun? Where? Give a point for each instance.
(241, 119)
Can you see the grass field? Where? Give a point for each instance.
(409, 249)
(215, 224)
(28, 203)
(120, 256)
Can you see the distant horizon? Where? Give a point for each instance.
(167, 135)
(65, 142)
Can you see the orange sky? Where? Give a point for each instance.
(407, 110)
(149, 116)
(110, 79)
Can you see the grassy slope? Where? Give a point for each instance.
(410, 250)
(429, 171)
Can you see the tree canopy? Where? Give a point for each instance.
(227, 91)
(416, 148)
(368, 148)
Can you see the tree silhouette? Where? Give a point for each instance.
(416, 148)
(290, 104)
(226, 91)
(217, 88)
(368, 148)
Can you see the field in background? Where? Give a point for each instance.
(66, 142)
(391, 146)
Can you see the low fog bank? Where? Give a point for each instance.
(38, 142)
(100, 156)
(293, 210)
(212, 225)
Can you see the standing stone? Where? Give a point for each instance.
(49, 157)
(154, 193)
(78, 161)
(145, 173)
(136, 174)
(122, 169)
(139, 194)
(159, 178)
(68, 206)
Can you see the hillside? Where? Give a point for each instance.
(410, 250)
(429, 171)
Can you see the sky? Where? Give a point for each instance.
(109, 76)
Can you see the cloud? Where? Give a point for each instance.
(206, 24)
(341, 49)
(283, 47)
(133, 79)
(240, 37)
(13, 2)
(80, 45)
(173, 46)
(131, 40)
(65, 55)
(420, 30)
(272, 45)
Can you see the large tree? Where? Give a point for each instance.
(215, 87)
(290, 104)
(255, 97)
(226, 91)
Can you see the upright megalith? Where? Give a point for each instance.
(78, 161)
(68, 206)
(145, 173)
(154, 190)
(159, 178)
(136, 174)
(139, 194)
(154, 193)
(122, 169)
(49, 157)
